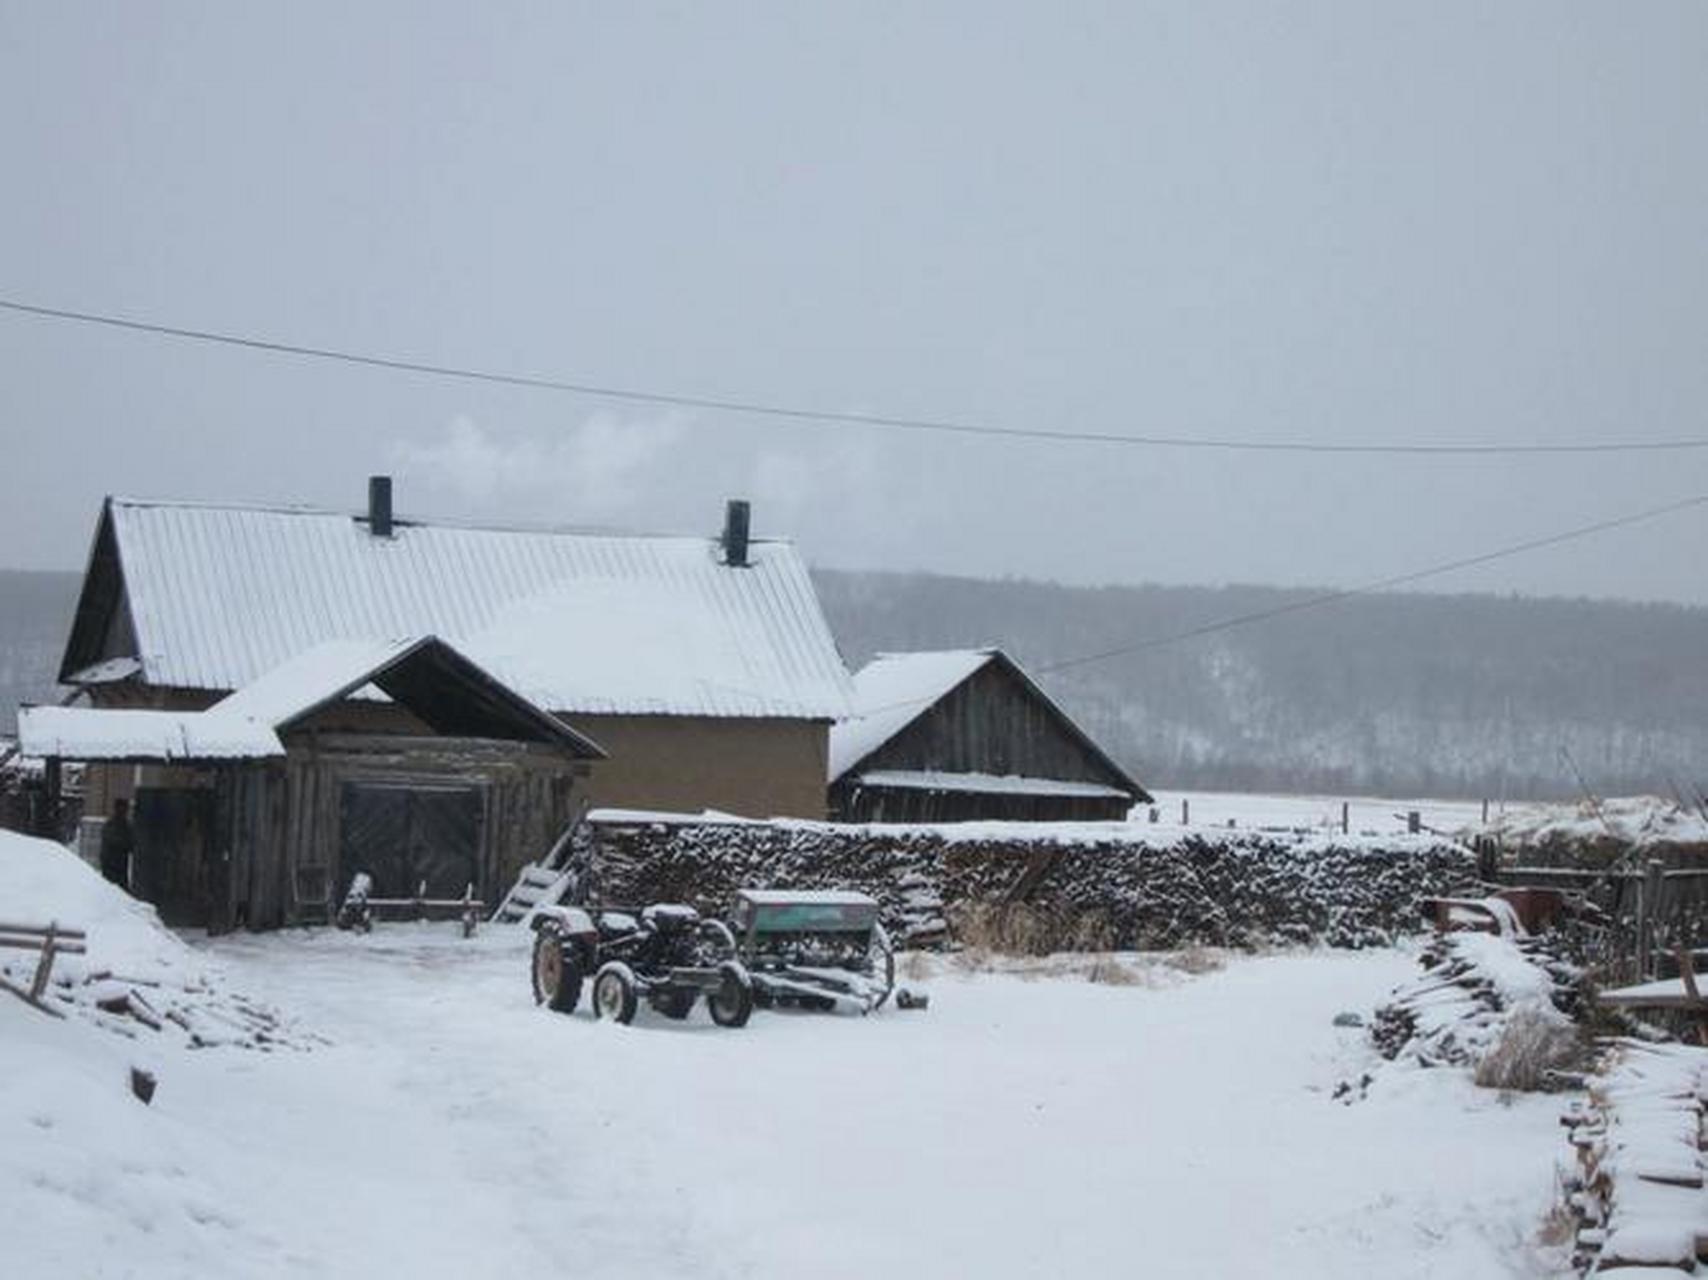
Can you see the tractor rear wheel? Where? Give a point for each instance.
(557, 974)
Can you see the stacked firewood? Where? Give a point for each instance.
(1636, 1196)
(1483, 995)
(189, 1010)
(1142, 888)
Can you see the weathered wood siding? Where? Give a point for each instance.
(528, 796)
(851, 802)
(278, 821)
(991, 723)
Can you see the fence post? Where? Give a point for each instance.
(1345, 818)
(1649, 928)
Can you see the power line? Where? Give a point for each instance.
(827, 417)
(1384, 584)
(1333, 597)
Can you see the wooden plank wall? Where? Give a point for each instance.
(992, 724)
(286, 836)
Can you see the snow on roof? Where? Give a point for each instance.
(987, 784)
(311, 679)
(110, 671)
(891, 692)
(88, 733)
(244, 724)
(592, 622)
(638, 645)
(667, 817)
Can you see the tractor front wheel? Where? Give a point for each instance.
(731, 1005)
(614, 993)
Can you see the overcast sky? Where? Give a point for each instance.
(1433, 223)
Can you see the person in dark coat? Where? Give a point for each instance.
(117, 844)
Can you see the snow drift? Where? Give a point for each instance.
(135, 976)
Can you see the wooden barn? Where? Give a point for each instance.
(702, 665)
(964, 735)
(401, 759)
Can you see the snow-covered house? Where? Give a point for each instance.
(702, 665)
(966, 734)
(401, 759)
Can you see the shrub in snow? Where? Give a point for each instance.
(1534, 1052)
(1032, 888)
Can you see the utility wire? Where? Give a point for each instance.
(826, 417)
(1332, 597)
(1384, 584)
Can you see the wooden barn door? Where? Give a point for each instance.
(171, 864)
(404, 835)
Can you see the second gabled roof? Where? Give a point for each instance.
(896, 689)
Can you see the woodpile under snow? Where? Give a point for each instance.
(1637, 1193)
(1505, 1006)
(1090, 887)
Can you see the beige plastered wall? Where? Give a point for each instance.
(758, 768)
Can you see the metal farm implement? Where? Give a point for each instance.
(815, 950)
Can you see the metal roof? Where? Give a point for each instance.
(578, 622)
(89, 733)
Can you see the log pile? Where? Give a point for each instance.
(1474, 989)
(192, 1012)
(1127, 890)
(1636, 1194)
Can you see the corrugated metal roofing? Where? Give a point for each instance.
(220, 594)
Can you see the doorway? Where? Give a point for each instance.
(407, 835)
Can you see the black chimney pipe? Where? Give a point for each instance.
(737, 518)
(379, 506)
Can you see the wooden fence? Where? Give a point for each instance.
(1644, 914)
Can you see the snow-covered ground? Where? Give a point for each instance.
(1371, 815)
(1638, 820)
(1178, 1125)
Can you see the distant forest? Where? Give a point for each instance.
(1408, 695)
(1386, 694)
(35, 619)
